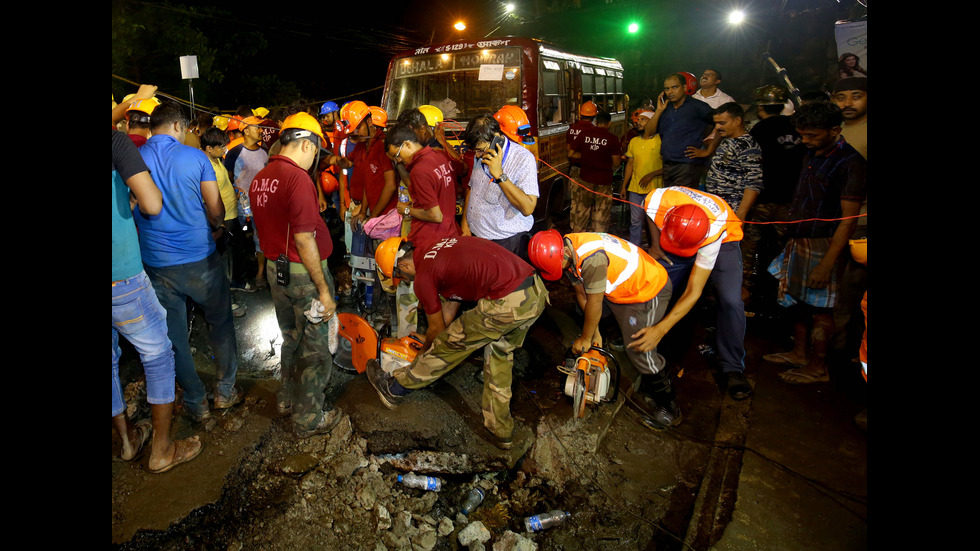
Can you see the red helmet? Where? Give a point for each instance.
(328, 182)
(546, 252)
(685, 228)
(513, 122)
(692, 82)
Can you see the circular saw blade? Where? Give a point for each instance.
(578, 394)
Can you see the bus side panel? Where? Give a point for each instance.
(552, 179)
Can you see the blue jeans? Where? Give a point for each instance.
(139, 317)
(638, 216)
(205, 283)
(726, 277)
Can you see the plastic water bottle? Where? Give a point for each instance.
(421, 482)
(402, 193)
(544, 521)
(472, 501)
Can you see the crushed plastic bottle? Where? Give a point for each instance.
(543, 521)
(315, 313)
(333, 330)
(421, 482)
(472, 501)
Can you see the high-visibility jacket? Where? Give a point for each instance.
(724, 224)
(633, 275)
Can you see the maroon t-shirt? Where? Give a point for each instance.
(466, 269)
(369, 170)
(597, 146)
(432, 181)
(284, 202)
(574, 131)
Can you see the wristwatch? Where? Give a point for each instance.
(503, 178)
(406, 211)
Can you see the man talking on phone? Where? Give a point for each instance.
(504, 181)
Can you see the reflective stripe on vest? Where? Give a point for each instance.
(614, 246)
(632, 276)
(724, 223)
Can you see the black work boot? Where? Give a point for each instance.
(661, 401)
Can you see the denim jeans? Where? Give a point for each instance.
(726, 278)
(139, 317)
(638, 216)
(205, 283)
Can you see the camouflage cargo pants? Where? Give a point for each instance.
(590, 207)
(406, 309)
(305, 355)
(501, 326)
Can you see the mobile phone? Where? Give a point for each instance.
(282, 270)
(497, 140)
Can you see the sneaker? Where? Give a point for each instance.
(381, 381)
(664, 417)
(327, 424)
(738, 386)
(238, 310)
(246, 287)
(236, 398)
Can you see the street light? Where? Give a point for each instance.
(736, 17)
(460, 26)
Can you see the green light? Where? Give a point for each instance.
(633, 27)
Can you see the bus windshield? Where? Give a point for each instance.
(462, 85)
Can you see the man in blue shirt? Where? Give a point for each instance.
(181, 259)
(682, 123)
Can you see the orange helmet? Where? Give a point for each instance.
(378, 116)
(351, 116)
(235, 123)
(635, 117)
(859, 250)
(513, 122)
(328, 183)
(386, 258)
(588, 109)
(546, 252)
(685, 228)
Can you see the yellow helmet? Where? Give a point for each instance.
(859, 250)
(260, 112)
(433, 115)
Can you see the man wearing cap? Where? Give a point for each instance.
(243, 162)
(509, 298)
(695, 236)
(782, 159)
(182, 261)
(598, 152)
(503, 184)
(643, 174)
(284, 201)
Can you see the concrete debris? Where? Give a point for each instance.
(474, 532)
(512, 541)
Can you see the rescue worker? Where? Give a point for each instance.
(606, 269)
(509, 298)
(695, 235)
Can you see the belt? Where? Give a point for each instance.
(297, 267)
(529, 282)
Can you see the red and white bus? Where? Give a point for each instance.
(468, 78)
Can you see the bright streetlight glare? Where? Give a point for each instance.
(634, 27)
(459, 26)
(736, 17)
(509, 8)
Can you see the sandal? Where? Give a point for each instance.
(781, 358)
(144, 429)
(184, 451)
(797, 377)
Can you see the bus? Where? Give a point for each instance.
(468, 78)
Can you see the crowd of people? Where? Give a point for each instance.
(763, 205)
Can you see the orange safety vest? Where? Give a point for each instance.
(724, 223)
(633, 275)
